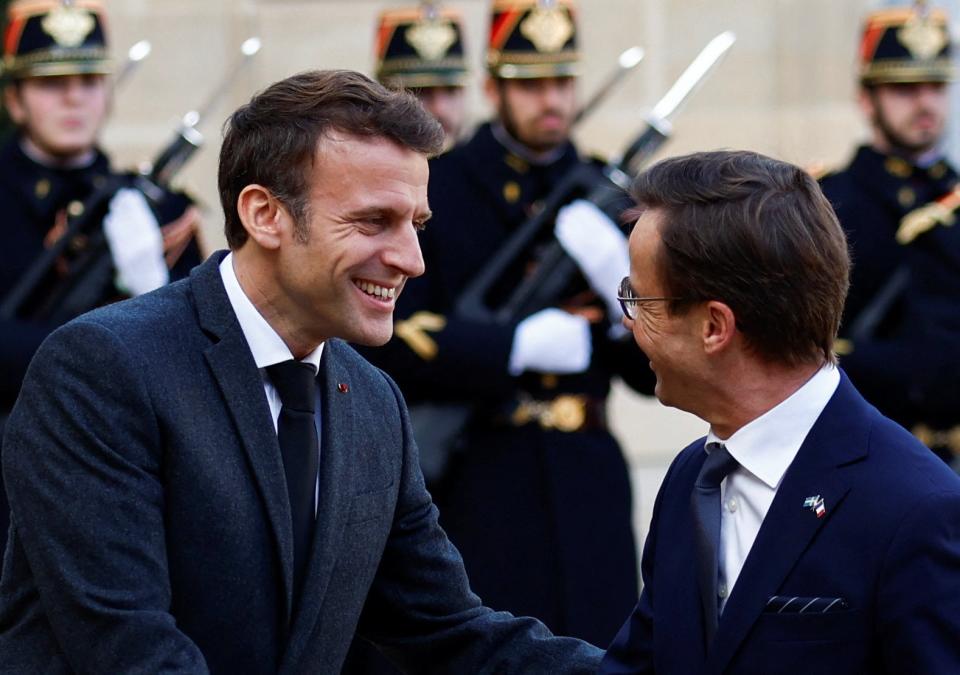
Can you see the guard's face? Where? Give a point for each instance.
(537, 112)
(448, 105)
(907, 117)
(671, 342)
(367, 201)
(60, 115)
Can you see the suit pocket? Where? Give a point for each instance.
(845, 626)
(373, 505)
(786, 604)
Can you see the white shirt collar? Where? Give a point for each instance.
(266, 345)
(766, 446)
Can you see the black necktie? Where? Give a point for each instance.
(297, 435)
(705, 504)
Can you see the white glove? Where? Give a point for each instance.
(598, 247)
(551, 341)
(135, 242)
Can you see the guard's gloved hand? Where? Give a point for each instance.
(598, 247)
(135, 242)
(551, 341)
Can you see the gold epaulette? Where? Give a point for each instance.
(933, 438)
(414, 331)
(920, 220)
(842, 346)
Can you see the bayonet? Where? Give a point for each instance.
(627, 61)
(135, 55)
(658, 121)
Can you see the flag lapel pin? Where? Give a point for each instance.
(815, 504)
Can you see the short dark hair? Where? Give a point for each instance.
(272, 140)
(758, 235)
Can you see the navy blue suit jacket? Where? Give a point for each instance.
(151, 529)
(888, 544)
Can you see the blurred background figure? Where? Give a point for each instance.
(421, 49)
(57, 93)
(896, 201)
(536, 494)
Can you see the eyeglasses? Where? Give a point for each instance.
(630, 302)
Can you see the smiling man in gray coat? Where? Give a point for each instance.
(207, 479)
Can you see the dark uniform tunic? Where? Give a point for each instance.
(906, 358)
(31, 196)
(541, 516)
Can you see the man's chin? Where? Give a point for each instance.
(373, 338)
(918, 144)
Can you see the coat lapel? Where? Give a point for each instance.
(838, 439)
(239, 380)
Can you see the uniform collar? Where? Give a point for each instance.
(505, 139)
(98, 162)
(932, 163)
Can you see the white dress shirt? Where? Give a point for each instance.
(266, 345)
(764, 448)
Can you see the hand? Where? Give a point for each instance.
(136, 244)
(598, 247)
(551, 341)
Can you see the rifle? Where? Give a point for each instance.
(44, 294)
(604, 187)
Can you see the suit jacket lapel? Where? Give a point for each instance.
(239, 380)
(838, 439)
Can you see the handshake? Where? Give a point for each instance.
(555, 341)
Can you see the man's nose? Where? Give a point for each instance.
(551, 95)
(73, 88)
(929, 94)
(404, 252)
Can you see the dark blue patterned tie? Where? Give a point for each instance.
(705, 505)
(297, 435)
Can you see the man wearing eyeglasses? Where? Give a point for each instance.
(806, 532)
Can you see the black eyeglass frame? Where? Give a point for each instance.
(630, 301)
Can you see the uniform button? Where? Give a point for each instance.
(78, 243)
(42, 188)
(907, 197)
(732, 504)
(722, 591)
(549, 381)
(75, 208)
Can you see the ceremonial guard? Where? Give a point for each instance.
(421, 49)
(896, 201)
(57, 93)
(536, 495)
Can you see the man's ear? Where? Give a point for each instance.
(492, 90)
(719, 327)
(263, 216)
(865, 99)
(11, 100)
